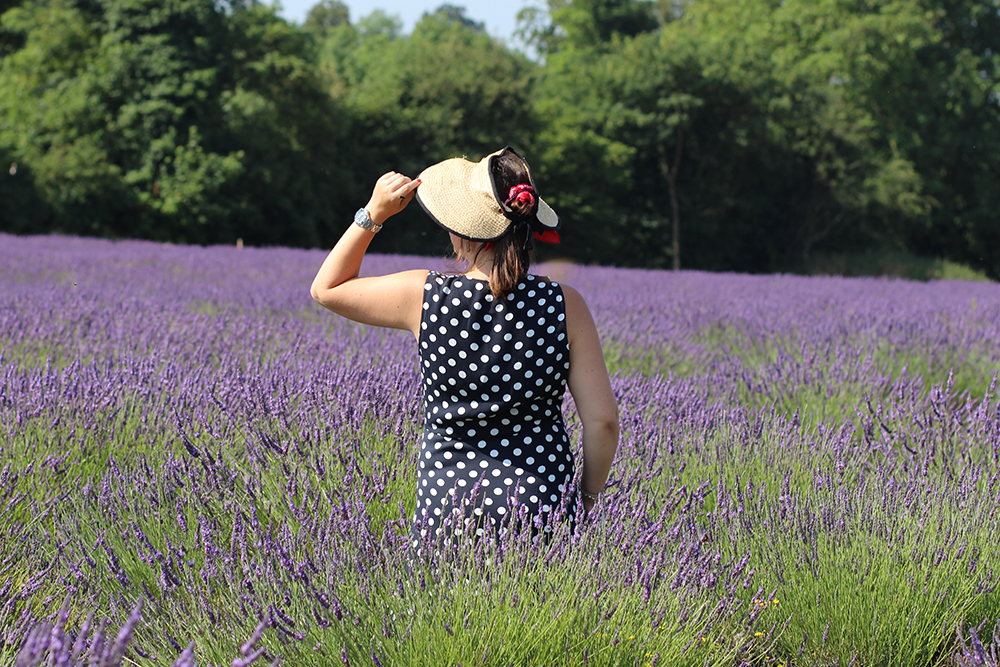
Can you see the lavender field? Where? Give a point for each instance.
(198, 465)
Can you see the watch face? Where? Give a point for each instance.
(362, 220)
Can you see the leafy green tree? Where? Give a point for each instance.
(890, 103)
(378, 23)
(455, 14)
(180, 121)
(948, 122)
(669, 141)
(297, 186)
(9, 41)
(52, 119)
(446, 90)
(651, 120)
(24, 210)
(595, 22)
(326, 15)
(763, 131)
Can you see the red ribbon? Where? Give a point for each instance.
(548, 236)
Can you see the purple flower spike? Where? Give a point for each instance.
(254, 638)
(115, 653)
(243, 662)
(81, 639)
(186, 658)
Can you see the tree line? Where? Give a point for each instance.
(746, 135)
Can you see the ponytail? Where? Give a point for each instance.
(511, 261)
(511, 256)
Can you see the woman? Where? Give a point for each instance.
(497, 346)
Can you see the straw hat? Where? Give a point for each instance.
(464, 198)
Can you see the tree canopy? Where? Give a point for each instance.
(750, 135)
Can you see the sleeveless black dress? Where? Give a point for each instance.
(493, 374)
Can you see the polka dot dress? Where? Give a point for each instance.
(494, 373)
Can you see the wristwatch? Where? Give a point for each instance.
(362, 220)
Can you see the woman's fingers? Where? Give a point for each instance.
(408, 187)
(392, 182)
(393, 191)
(406, 192)
(403, 184)
(402, 187)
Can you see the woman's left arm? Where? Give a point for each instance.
(389, 301)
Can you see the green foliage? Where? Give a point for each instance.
(449, 13)
(898, 264)
(785, 128)
(748, 135)
(172, 121)
(9, 40)
(325, 15)
(24, 208)
(590, 22)
(448, 89)
(380, 23)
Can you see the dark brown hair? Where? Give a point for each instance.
(511, 260)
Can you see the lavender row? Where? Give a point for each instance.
(183, 426)
(284, 532)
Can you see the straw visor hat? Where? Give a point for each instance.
(464, 198)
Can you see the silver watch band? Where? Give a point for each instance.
(362, 220)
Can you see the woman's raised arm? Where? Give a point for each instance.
(389, 301)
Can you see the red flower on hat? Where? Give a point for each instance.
(522, 193)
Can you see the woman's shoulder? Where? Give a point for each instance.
(577, 311)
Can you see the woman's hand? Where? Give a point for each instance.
(392, 193)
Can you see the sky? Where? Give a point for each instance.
(498, 15)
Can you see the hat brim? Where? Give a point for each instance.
(462, 197)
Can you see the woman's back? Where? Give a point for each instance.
(498, 348)
(494, 374)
